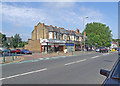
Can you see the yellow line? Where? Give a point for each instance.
(22, 58)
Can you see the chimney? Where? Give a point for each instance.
(62, 28)
(50, 26)
(77, 30)
(55, 26)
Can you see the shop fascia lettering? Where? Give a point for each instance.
(51, 41)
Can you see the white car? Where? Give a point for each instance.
(65, 51)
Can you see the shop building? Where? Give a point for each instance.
(48, 38)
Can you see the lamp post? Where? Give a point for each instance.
(84, 28)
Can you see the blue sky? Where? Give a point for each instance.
(21, 17)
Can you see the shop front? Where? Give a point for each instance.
(51, 45)
(69, 47)
(78, 46)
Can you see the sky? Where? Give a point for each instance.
(21, 17)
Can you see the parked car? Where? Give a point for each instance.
(98, 49)
(102, 50)
(113, 76)
(7, 50)
(1, 48)
(16, 50)
(25, 51)
(1, 52)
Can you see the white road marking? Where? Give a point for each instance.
(23, 74)
(106, 53)
(94, 57)
(75, 62)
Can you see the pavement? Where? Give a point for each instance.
(75, 69)
(39, 56)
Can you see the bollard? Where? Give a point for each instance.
(13, 56)
(4, 57)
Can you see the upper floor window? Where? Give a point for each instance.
(72, 38)
(79, 38)
(58, 35)
(64, 36)
(68, 37)
(54, 35)
(50, 35)
(75, 38)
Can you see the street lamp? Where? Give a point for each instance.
(84, 28)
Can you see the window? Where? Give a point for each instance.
(64, 36)
(72, 38)
(79, 38)
(68, 37)
(116, 73)
(54, 35)
(58, 35)
(50, 35)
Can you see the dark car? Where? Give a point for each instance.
(16, 50)
(25, 51)
(7, 50)
(113, 76)
(103, 50)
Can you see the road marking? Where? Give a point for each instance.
(94, 57)
(23, 74)
(76, 62)
(106, 53)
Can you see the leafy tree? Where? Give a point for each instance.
(22, 44)
(15, 41)
(4, 41)
(98, 35)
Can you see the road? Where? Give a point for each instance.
(82, 69)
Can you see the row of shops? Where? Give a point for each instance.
(52, 45)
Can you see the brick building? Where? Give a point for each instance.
(48, 38)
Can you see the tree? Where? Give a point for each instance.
(4, 41)
(98, 35)
(22, 44)
(15, 41)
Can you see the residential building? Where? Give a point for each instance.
(48, 38)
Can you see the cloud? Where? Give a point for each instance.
(62, 14)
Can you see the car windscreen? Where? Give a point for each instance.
(116, 73)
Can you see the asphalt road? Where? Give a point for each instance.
(82, 69)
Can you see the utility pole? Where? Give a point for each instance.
(84, 28)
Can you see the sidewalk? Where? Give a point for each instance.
(8, 59)
(54, 54)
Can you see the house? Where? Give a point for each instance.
(48, 38)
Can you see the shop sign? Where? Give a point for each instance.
(52, 45)
(56, 45)
(69, 44)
